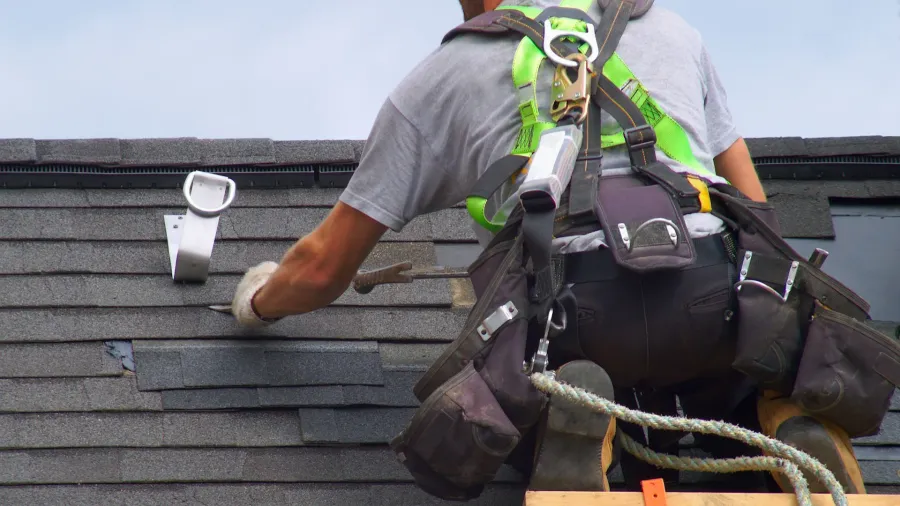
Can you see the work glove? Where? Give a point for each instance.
(241, 306)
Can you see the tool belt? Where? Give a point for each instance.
(800, 332)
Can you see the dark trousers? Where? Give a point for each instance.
(660, 335)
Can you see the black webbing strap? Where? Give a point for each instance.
(496, 174)
(640, 139)
(609, 33)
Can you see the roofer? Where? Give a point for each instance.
(664, 276)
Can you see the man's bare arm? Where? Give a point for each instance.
(320, 266)
(735, 165)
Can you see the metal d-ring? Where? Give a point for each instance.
(209, 178)
(670, 227)
(589, 37)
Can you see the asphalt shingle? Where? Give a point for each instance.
(30, 395)
(89, 290)
(87, 151)
(349, 323)
(353, 425)
(164, 198)
(57, 360)
(309, 152)
(170, 365)
(180, 151)
(802, 216)
(237, 151)
(18, 150)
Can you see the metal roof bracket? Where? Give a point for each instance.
(191, 236)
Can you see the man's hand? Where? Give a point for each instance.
(313, 273)
(242, 303)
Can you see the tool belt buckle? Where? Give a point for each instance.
(570, 98)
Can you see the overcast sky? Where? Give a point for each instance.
(285, 69)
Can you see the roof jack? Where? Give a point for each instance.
(191, 236)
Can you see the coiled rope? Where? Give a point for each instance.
(787, 459)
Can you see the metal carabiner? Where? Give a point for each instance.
(551, 34)
(570, 98)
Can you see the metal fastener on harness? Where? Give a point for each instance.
(496, 319)
(627, 239)
(540, 360)
(191, 236)
(551, 34)
(571, 97)
(640, 137)
(788, 283)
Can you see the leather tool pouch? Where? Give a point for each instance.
(848, 372)
(477, 402)
(802, 332)
(643, 225)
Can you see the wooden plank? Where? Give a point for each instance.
(541, 498)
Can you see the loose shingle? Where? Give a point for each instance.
(317, 395)
(27, 395)
(18, 150)
(56, 360)
(802, 216)
(210, 398)
(179, 151)
(410, 357)
(353, 425)
(143, 224)
(314, 152)
(397, 391)
(350, 323)
(237, 151)
(227, 363)
(86, 151)
(91, 290)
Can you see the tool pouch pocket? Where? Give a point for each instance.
(458, 439)
(772, 320)
(643, 225)
(848, 372)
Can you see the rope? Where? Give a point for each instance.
(786, 459)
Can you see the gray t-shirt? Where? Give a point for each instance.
(457, 112)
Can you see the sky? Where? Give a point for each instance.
(304, 69)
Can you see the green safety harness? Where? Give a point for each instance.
(542, 29)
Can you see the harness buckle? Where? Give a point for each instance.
(589, 37)
(640, 137)
(571, 96)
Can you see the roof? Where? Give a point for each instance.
(119, 386)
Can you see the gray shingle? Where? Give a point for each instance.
(350, 323)
(182, 465)
(777, 146)
(22, 395)
(397, 391)
(133, 257)
(143, 224)
(353, 425)
(89, 151)
(227, 363)
(210, 398)
(245, 429)
(237, 151)
(319, 395)
(802, 216)
(311, 152)
(231, 494)
(859, 145)
(889, 435)
(166, 198)
(173, 151)
(147, 430)
(92, 290)
(60, 466)
(80, 430)
(56, 360)
(410, 357)
(17, 150)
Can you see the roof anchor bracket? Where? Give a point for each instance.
(191, 236)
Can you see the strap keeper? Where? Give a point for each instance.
(640, 137)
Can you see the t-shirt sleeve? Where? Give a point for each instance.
(721, 129)
(399, 177)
